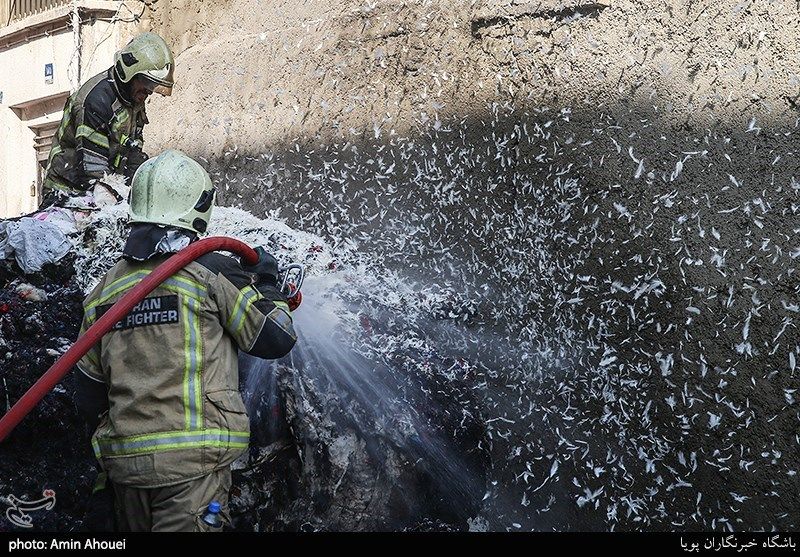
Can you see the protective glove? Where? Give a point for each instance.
(135, 158)
(266, 269)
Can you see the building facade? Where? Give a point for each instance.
(48, 48)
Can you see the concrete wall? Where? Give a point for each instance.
(621, 178)
(29, 101)
(23, 81)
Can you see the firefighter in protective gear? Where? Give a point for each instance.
(101, 129)
(163, 383)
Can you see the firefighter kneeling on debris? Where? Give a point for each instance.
(101, 130)
(164, 381)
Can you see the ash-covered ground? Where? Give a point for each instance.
(50, 450)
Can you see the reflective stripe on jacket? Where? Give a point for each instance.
(170, 367)
(91, 139)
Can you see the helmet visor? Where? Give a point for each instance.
(163, 90)
(155, 87)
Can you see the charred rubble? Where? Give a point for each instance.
(40, 316)
(323, 456)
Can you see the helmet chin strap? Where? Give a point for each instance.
(123, 89)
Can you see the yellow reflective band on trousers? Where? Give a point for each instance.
(193, 352)
(92, 135)
(246, 298)
(170, 441)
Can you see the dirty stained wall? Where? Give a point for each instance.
(256, 74)
(625, 170)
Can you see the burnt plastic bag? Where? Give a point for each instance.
(33, 243)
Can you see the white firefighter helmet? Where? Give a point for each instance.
(172, 189)
(147, 55)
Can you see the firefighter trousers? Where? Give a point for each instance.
(174, 508)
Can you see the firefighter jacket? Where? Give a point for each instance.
(170, 367)
(96, 133)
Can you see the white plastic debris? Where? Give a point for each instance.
(33, 243)
(106, 190)
(31, 293)
(65, 219)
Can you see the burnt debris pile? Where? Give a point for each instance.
(364, 426)
(50, 450)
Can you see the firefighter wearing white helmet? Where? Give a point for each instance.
(161, 390)
(148, 57)
(101, 130)
(172, 190)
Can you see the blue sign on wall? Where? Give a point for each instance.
(48, 73)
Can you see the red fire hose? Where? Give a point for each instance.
(118, 311)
